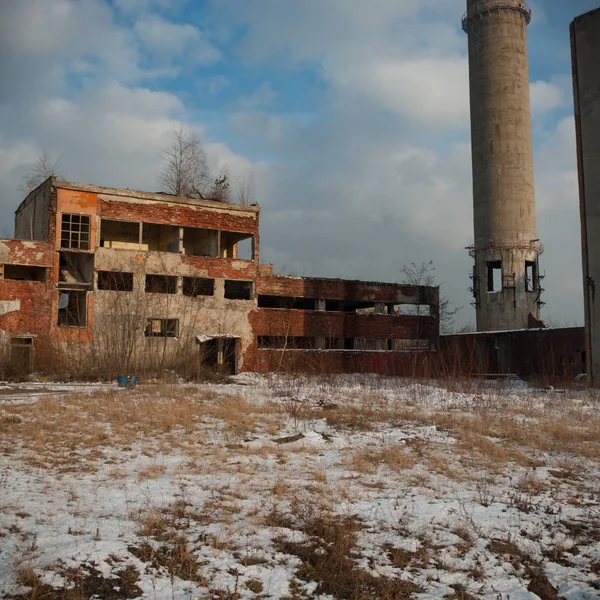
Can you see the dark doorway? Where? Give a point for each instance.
(21, 355)
(220, 354)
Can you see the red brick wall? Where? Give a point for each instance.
(178, 214)
(340, 289)
(281, 322)
(384, 363)
(29, 253)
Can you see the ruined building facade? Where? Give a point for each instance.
(100, 278)
(506, 277)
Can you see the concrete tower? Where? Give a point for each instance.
(506, 281)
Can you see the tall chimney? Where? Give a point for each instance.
(506, 279)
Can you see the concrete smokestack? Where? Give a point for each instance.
(506, 281)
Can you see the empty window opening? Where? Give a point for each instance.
(494, 276)
(238, 290)
(197, 286)
(76, 268)
(219, 353)
(21, 354)
(288, 302)
(407, 345)
(272, 341)
(348, 343)
(370, 344)
(417, 310)
(115, 281)
(530, 276)
(200, 242)
(162, 328)
(25, 273)
(161, 284)
(72, 308)
(231, 246)
(334, 305)
(332, 343)
(120, 235)
(75, 232)
(160, 238)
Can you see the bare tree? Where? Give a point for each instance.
(424, 274)
(185, 168)
(245, 191)
(220, 188)
(43, 168)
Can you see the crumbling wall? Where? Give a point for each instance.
(32, 216)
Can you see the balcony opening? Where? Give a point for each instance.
(197, 286)
(75, 268)
(530, 276)
(115, 281)
(75, 232)
(238, 290)
(161, 284)
(25, 273)
(494, 276)
(416, 310)
(160, 238)
(162, 328)
(237, 245)
(200, 242)
(120, 235)
(72, 308)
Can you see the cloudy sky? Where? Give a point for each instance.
(351, 117)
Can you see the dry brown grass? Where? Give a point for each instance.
(75, 431)
(328, 557)
(368, 460)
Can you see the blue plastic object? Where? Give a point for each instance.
(126, 382)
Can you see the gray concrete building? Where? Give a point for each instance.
(585, 46)
(506, 276)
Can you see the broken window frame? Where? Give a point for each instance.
(494, 270)
(169, 328)
(76, 263)
(170, 284)
(42, 272)
(73, 316)
(75, 231)
(114, 281)
(531, 283)
(192, 287)
(249, 288)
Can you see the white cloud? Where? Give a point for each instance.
(432, 90)
(263, 95)
(170, 41)
(546, 96)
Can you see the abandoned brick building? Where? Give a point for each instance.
(99, 276)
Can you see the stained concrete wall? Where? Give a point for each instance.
(502, 159)
(585, 43)
(32, 216)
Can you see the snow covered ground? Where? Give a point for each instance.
(298, 487)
